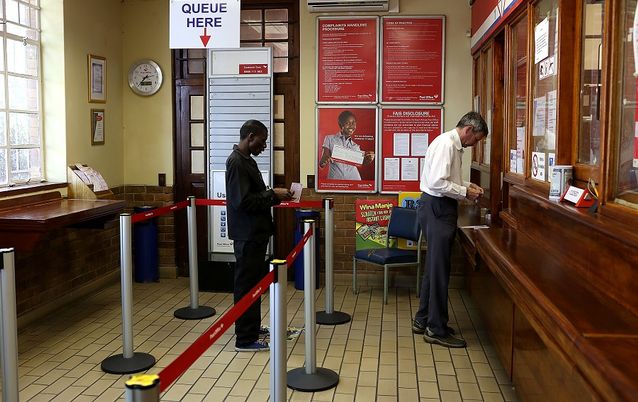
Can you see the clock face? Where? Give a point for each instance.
(145, 77)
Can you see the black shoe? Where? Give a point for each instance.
(447, 340)
(418, 328)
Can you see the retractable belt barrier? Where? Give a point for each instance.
(148, 387)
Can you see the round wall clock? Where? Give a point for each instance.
(145, 77)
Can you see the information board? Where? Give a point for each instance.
(371, 223)
(412, 59)
(406, 133)
(347, 59)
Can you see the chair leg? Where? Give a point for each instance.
(385, 284)
(354, 275)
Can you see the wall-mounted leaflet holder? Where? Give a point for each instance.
(581, 198)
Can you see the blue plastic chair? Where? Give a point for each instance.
(404, 224)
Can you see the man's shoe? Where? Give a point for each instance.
(259, 346)
(447, 340)
(418, 328)
(264, 331)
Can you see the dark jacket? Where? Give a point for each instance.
(248, 200)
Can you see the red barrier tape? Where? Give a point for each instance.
(194, 351)
(285, 204)
(210, 202)
(142, 216)
(293, 254)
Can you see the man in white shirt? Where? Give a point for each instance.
(442, 187)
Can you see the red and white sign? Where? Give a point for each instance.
(405, 136)
(200, 24)
(354, 143)
(412, 59)
(253, 69)
(347, 59)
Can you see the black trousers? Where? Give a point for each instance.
(437, 216)
(250, 268)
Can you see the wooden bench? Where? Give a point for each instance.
(590, 338)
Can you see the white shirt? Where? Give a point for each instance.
(441, 175)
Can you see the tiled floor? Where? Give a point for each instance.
(377, 355)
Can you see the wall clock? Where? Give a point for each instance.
(145, 77)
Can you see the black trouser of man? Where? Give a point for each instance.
(437, 216)
(250, 267)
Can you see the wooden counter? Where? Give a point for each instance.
(24, 220)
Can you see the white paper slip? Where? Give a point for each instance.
(295, 189)
(475, 227)
(343, 154)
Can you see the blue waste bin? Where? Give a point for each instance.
(146, 251)
(300, 216)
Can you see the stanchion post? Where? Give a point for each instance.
(9, 326)
(329, 316)
(310, 378)
(143, 388)
(278, 327)
(127, 362)
(194, 311)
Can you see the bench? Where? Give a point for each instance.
(591, 338)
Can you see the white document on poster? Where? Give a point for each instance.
(551, 119)
(401, 144)
(391, 169)
(541, 41)
(410, 169)
(419, 144)
(347, 155)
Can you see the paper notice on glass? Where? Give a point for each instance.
(410, 169)
(520, 161)
(551, 119)
(419, 144)
(520, 138)
(295, 189)
(401, 144)
(513, 160)
(538, 166)
(349, 156)
(540, 116)
(541, 41)
(391, 169)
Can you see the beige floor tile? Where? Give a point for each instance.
(451, 396)
(470, 391)
(447, 383)
(428, 389)
(387, 387)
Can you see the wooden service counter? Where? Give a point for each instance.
(24, 220)
(558, 297)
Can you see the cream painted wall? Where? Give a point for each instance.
(92, 27)
(147, 121)
(458, 70)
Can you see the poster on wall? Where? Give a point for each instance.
(347, 59)
(412, 59)
(371, 223)
(406, 133)
(346, 149)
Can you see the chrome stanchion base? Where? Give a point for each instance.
(321, 380)
(334, 318)
(118, 364)
(188, 313)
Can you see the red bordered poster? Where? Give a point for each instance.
(347, 59)
(346, 149)
(412, 59)
(406, 134)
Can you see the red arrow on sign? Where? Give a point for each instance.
(205, 38)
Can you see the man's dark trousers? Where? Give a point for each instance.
(437, 216)
(250, 267)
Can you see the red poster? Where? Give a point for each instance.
(347, 59)
(412, 62)
(346, 147)
(253, 69)
(405, 136)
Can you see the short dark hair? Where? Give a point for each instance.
(252, 126)
(474, 120)
(344, 116)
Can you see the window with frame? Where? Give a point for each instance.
(267, 27)
(20, 99)
(518, 97)
(626, 188)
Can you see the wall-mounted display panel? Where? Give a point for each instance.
(406, 133)
(346, 149)
(347, 59)
(412, 59)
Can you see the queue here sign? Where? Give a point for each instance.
(199, 24)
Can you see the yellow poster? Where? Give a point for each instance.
(408, 199)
